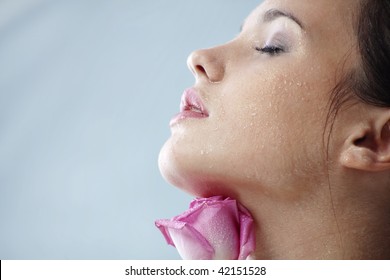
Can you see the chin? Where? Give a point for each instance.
(167, 165)
(176, 168)
(190, 174)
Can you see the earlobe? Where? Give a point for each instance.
(360, 158)
(368, 149)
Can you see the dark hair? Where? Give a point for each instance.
(373, 87)
(370, 82)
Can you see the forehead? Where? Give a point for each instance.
(315, 15)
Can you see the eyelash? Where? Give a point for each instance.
(270, 50)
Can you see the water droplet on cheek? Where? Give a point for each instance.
(206, 151)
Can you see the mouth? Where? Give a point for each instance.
(190, 101)
(191, 106)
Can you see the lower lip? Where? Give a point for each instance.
(186, 115)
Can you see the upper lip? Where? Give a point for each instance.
(191, 101)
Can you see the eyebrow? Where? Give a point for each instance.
(273, 14)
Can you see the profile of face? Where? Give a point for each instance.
(266, 93)
(253, 125)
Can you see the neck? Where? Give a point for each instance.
(319, 229)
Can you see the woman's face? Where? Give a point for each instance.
(266, 93)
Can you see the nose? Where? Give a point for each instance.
(207, 64)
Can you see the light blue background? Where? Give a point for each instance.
(87, 88)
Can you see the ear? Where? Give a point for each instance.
(368, 147)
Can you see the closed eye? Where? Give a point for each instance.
(270, 50)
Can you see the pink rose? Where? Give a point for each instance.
(213, 228)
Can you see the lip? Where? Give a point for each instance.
(191, 106)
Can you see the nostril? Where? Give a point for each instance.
(200, 69)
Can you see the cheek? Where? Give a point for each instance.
(277, 125)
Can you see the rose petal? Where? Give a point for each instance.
(212, 228)
(190, 244)
(247, 236)
(187, 240)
